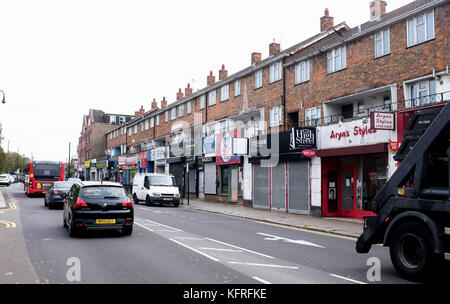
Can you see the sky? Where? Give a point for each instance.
(59, 58)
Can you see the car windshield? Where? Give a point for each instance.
(3, 176)
(102, 192)
(63, 185)
(162, 181)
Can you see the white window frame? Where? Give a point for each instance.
(275, 115)
(385, 44)
(142, 126)
(275, 72)
(112, 119)
(334, 56)
(157, 120)
(237, 88)
(212, 98)
(188, 108)
(166, 116)
(224, 93)
(173, 113)
(146, 124)
(135, 129)
(415, 24)
(312, 116)
(202, 102)
(258, 79)
(416, 96)
(181, 110)
(302, 72)
(152, 122)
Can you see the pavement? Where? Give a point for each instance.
(2, 201)
(349, 227)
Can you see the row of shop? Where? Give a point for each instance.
(331, 170)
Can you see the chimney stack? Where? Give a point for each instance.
(211, 79)
(223, 73)
(326, 22)
(163, 103)
(377, 9)
(256, 57)
(188, 90)
(140, 112)
(154, 104)
(274, 48)
(180, 94)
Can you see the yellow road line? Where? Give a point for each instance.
(8, 224)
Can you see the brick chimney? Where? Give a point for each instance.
(180, 94)
(256, 57)
(326, 22)
(140, 112)
(377, 9)
(163, 103)
(274, 48)
(211, 79)
(188, 90)
(223, 73)
(154, 104)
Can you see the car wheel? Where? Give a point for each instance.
(72, 229)
(45, 203)
(176, 204)
(128, 230)
(64, 223)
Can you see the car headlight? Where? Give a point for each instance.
(156, 194)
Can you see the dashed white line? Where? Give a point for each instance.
(179, 230)
(347, 279)
(188, 238)
(220, 249)
(195, 250)
(240, 248)
(261, 280)
(264, 265)
(140, 225)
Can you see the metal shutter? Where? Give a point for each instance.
(279, 187)
(260, 187)
(298, 175)
(210, 178)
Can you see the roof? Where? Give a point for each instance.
(99, 183)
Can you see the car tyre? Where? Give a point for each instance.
(128, 230)
(148, 202)
(176, 204)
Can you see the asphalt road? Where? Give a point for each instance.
(180, 245)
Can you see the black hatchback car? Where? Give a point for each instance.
(56, 193)
(98, 205)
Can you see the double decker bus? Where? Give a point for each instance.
(41, 175)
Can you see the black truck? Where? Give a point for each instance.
(413, 207)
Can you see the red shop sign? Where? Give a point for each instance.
(309, 153)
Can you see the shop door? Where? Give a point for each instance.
(233, 185)
(348, 180)
(331, 195)
(261, 184)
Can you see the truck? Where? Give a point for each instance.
(412, 209)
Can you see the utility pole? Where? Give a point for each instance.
(68, 171)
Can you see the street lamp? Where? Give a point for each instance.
(3, 99)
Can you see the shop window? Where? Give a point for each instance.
(374, 169)
(224, 181)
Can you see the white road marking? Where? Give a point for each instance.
(195, 250)
(251, 251)
(140, 225)
(347, 279)
(220, 249)
(179, 230)
(188, 238)
(261, 280)
(264, 265)
(166, 230)
(278, 238)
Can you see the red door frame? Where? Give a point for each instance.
(348, 212)
(325, 171)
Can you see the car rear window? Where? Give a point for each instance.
(102, 192)
(3, 176)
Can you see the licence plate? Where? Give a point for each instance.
(105, 221)
(167, 199)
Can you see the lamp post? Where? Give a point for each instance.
(3, 98)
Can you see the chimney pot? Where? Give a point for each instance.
(256, 57)
(188, 90)
(180, 94)
(326, 22)
(377, 9)
(223, 73)
(164, 102)
(211, 79)
(274, 48)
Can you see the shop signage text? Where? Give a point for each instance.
(357, 131)
(382, 121)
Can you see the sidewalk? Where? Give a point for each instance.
(2, 201)
(349, 227)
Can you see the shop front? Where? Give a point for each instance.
(158, 158)
(355, 164)
(207, 178)
(145, 163)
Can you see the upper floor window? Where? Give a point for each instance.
(112, 119)
(337, 59)
(181, 110)
(146, 124)
(258, 79)
(420, 28)
(157, 120)
(202, 102)
(212, 98)
(129, 132)
(135, 129)
(302, 72)
(142, 126)
(224, 92)
(122, 119)
(173, 114)
(275, 72)
(423, 93)
(312, 116)
(237, 88)
(188, 107)
(166, 116)
(275, 116)
(152, 122)
(382, 43)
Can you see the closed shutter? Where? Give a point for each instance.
(261, 184)
(298, 176)
(279, 187)
(210, 178)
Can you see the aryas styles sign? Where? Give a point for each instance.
(382, 121)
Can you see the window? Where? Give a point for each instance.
(382, 43)
(135, 129)
(202, 102)
(166, 116)
(142, 126)
(146, 124)
(237, 88)
(157, 120)
(275, 116)
(173, 114)
(275, 72)
(337, 59)
(181, 110)
(302, 72)
(129, 132)
(212, 98)
(312, 116)
(189, 109)
(121, 119)
(112, 119)
(420, 28)
(224, 92)
(258, 79)
(387, 103)
(423, 93)
(152, 122)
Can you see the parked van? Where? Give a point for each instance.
(155, 188)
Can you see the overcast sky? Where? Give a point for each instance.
(59, 58)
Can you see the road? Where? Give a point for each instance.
(176, 245)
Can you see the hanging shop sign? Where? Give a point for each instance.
(159, 153)
(309, 153)
(143, 159)
(382, 121)
(87, 164)
(121, 160)
(224, 152)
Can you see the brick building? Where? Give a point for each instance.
(319, 92)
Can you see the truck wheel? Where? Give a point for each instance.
(412, 252)
(135, 199)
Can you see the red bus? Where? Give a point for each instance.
(42, 175)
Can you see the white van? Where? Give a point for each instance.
(155, 188)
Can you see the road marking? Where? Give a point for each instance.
(261, 280)
(195, 250)
(140, 225)
(189, 238)
(8, 224)
(251, 251)
(179, 230)
(278, 238)
(264, 265)
(166, 230)
(220, 249)
(347, 279)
